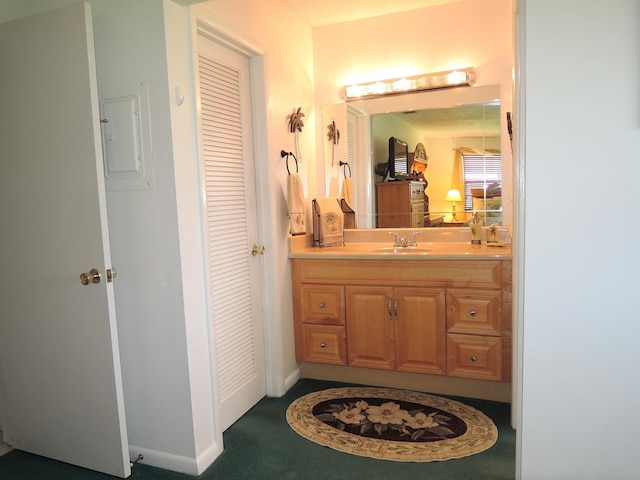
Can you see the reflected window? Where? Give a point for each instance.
(480, 172)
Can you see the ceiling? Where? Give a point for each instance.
(324, 12)
(478, 120)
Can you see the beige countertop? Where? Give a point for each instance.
(424, 251)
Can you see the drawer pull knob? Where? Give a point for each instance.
(472, 313)
(474, 358)
(321, 305)
(322, 345)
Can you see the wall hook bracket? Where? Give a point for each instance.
(179, 96)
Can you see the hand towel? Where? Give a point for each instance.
(328, 222)
(347, 190)
(349, 214)
(295, 205)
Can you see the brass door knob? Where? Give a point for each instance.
(257, 250)
(92, 277)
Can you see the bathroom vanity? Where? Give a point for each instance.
(442, 308)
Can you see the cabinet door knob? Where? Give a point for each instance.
(474, 358)
(321, 305)
(322, 345)
(472, 313)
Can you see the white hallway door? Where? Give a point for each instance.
(231, 220)
(58, 339)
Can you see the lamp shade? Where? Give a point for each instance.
(453, 196)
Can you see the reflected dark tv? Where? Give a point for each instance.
(398, 158)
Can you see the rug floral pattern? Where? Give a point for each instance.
(391, 424)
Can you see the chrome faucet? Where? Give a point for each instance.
(399, 241)
(412, 239)
(403, 242)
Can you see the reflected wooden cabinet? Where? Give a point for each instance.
(441, 317)
(400, 204)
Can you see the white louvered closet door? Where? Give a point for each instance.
(231, 222)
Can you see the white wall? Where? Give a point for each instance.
(189, 197)
(186, 438)
(284, 42)
(580, 139)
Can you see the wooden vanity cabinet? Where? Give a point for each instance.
(398, 328)
(443, 317)
(474, 334)
(323, 324)
(370, 327)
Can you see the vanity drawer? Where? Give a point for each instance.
(323, 304)
(324, 344)
(474, 356)
(477, 312)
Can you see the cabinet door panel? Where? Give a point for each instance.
(370, 327)
(420, 330)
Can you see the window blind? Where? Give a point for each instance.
(479, 171)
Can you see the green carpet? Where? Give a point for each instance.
(262, 446)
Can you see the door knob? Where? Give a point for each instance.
(257, 250)
(92, 277)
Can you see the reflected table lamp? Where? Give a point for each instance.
(453, 196)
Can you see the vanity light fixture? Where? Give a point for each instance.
(453, 196)
(416, 83)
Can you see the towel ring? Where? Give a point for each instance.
(346, 164)
(286, 154)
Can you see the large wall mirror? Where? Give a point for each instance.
(460, 130)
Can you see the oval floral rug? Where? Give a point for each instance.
(391, 424)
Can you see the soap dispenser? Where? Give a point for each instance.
(476, 230)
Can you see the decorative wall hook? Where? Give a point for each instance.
(295, 127)
(334, 133)
(334, 137)
(295, 121)
(510, 129)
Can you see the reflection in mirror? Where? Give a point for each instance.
(459, 130)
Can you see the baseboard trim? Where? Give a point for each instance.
(291, 380)
(438, 384)
(206, 458)
(176, 463)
